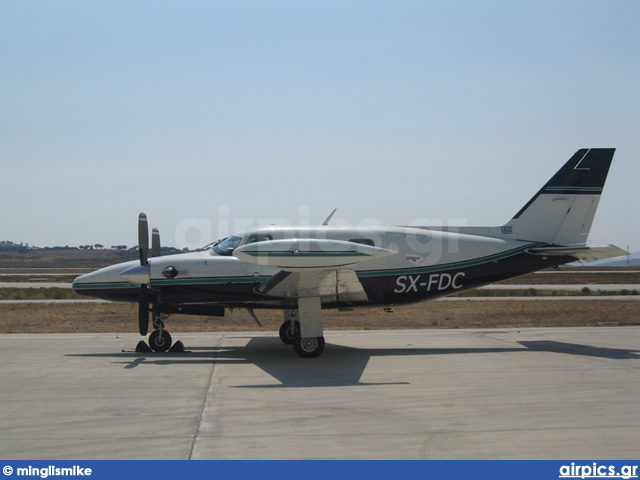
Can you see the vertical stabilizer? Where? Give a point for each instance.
(562, 212)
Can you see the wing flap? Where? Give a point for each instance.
(333, 285)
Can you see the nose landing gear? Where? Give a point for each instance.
(160, 339)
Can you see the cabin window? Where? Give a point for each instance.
(227, 246)
(362, 241)
(258, 237)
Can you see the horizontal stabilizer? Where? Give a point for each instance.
(586, 254)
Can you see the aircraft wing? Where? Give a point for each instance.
(312, 267)
(586, 254)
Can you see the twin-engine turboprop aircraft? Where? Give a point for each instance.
(304, 270)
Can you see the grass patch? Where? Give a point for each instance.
(40, 278)
(38, 294)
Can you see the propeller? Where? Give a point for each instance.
(143, 239)
(155, 242)
(143, 248)
(141, 274)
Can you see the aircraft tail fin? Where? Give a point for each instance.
(562, 212)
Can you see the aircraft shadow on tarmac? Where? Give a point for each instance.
(341, 366)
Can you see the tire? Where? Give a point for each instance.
(285, 332)
(160, 343)
(308, 347)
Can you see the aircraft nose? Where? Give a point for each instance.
(77, 281)
(104, 278)
(80, 283)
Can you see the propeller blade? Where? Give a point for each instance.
(143, 239)
(155, 242)
(143, 312)
(143, 249)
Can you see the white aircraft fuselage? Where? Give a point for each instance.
(304, 270)
(422, 264)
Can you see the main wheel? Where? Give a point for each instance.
(308, 347)
(286, 335)
(158, 342)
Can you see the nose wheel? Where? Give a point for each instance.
(160, 339)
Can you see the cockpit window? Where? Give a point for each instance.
(258, 237)
(227, 246)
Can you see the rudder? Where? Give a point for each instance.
(562, 212)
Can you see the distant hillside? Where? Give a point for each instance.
(21, 256)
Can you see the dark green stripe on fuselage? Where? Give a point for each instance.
(398, 286)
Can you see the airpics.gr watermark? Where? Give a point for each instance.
(595, 470)
(194, 233)
(48, 471)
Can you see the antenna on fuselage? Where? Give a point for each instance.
(328, 219)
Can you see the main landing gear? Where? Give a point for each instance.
(290, 334)
(287, 333)
(308, 347)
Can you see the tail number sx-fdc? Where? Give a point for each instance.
(436, 282)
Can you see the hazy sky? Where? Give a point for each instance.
(215, 116)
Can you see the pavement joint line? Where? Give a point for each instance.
(210, 385)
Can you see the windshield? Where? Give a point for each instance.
(226, 246)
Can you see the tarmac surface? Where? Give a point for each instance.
(562, 393)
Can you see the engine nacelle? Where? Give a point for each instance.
(295, 254)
